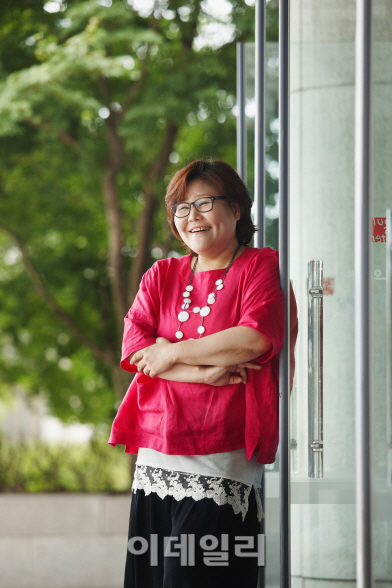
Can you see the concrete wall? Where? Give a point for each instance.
(63, 540)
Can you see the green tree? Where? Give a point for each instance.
(99, 104)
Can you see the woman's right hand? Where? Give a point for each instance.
(221, 376)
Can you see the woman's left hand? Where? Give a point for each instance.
(155, 359)
(220, 376)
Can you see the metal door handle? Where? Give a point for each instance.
(294, 410)
(315, 368)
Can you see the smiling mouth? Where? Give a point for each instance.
(202, 231)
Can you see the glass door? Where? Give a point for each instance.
(323, 541)
(322, 87)
(322, 406)
(382, 295)
(271, 490)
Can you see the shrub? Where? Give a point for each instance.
(36, 466)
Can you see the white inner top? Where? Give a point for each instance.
(229, 464)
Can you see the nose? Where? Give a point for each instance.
(194, 214)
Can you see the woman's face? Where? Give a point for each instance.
(221, 221)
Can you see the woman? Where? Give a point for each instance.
(204, 334)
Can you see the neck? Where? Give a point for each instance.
(220, 261)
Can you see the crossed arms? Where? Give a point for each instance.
(208, 360)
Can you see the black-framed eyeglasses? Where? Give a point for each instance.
(203, 204)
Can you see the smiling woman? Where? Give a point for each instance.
(193, 223)
(204, 334)
(229, 212)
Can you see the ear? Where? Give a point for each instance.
(237, 212)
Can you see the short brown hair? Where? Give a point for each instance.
(225, 179)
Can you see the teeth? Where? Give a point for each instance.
(199, 230)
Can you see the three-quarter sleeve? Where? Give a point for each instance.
(263, 303)
(140, 323)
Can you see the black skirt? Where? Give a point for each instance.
(191, 544)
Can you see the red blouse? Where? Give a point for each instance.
(180, 418)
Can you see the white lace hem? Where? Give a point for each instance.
(181, 485)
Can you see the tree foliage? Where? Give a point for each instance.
(100, 102)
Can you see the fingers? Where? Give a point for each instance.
(236, 380)
(240, 369)
(217, 374)
(146, 371)
(244, 375)
(248, 364)
(234, 368)
(231, 368)
(213, 374)
(141, 365)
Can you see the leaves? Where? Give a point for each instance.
(94, 100)
(39, 467)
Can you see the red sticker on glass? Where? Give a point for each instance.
(379, 234)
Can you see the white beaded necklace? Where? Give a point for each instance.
(183, 316)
